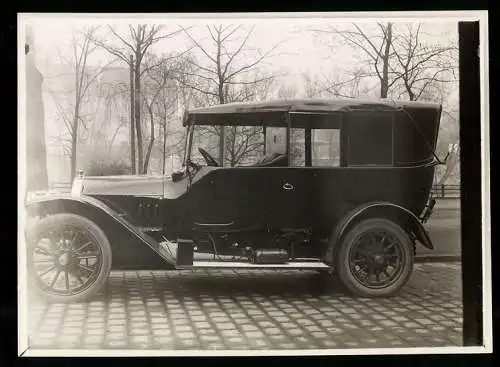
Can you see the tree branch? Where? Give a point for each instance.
(111, 50)
(211, 58)
(236, 53)
(126, 43)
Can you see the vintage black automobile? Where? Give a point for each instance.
(357, 213)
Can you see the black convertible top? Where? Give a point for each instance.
(309, 105)
(274, 112)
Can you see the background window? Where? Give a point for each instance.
(325, 147)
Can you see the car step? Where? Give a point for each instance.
(292, 265)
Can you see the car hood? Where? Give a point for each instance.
(122, 185)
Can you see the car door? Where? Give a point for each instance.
(242, 196)
(288, 189)
(232, 197)
(288, 186)
(259, 198)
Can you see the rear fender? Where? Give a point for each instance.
(96, 211)
(404, 217)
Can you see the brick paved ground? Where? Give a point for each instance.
(225, 309)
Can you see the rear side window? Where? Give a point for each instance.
(275, 140)
(325, 147)
(370, 139)
(298, 147)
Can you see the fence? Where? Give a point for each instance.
(446, 191)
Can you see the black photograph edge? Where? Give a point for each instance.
(471, 230)
(470, 138)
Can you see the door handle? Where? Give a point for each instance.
(287, 186)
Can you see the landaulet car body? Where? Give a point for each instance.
(360, 216)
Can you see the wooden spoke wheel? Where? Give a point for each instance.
(69, 257)
(375, 258)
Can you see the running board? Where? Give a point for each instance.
(293, 265)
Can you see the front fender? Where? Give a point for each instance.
(96, 211)
(408, 220)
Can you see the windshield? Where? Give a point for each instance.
(187, 145)
(205, 137)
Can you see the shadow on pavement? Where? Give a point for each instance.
(228, 284)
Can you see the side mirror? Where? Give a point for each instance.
(177, 176)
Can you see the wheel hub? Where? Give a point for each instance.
(379, 259)
(64, 259)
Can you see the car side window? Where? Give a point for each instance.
(325, 147)
(297, 147)
(244, 146)
(276, 144)
(275, 140)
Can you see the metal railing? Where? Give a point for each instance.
(446, 191)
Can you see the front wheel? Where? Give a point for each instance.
(69, 257)
(375, 258)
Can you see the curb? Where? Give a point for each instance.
(437, 258)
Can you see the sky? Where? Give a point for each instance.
(300, 50)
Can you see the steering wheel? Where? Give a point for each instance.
(208, 158)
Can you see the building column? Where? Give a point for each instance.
(36, 155)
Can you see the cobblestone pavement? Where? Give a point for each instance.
(227, 309)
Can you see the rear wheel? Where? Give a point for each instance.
(375, 258)
(69, 257)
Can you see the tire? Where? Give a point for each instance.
(397, 244)
(70, 239)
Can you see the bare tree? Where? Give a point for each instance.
(398, 57)
(72, 112)
(242, 143)
(375, 44)
(448, 142)
(225, 75)
(160, 97)
(312, 88)
(421, 66)
(451, 164)
(348, 86)
(137, 43)
(112, 117)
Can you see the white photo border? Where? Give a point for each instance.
(449, 16)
